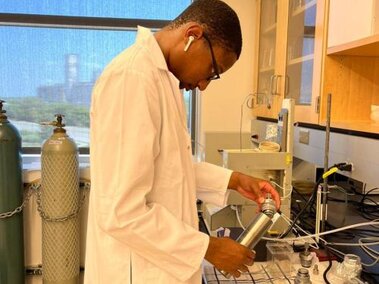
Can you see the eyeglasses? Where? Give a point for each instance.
(216, 74)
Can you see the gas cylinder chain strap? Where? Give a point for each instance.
(32, 187)
(86, 186)
(35, 187)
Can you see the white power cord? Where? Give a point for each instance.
(372, 253)
(235, 208)
(341, 189)
(281, 187)
(288, 221)
(249, 102)
(363, 245)
(250, 106)
(327, 232)
(353, 244)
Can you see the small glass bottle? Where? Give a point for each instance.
(303, 276)
(306, 257)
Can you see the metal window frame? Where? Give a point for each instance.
(72, 22)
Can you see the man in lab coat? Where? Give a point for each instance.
(142, 221)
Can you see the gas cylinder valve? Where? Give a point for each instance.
(2, 111)
(58, 123)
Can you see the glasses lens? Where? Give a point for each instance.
(214, 77)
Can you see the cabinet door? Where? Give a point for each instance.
(304, 57)
(270, 45)
(350, 20)
(291, 50)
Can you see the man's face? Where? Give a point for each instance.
(202, 63)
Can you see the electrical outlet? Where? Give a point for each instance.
(356, 185)
(304, 137)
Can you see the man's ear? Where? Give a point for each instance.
(194, 29)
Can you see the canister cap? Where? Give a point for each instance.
(268, 206)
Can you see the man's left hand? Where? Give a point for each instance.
(253, 188)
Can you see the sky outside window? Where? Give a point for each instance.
(49, 70)
(133, 9)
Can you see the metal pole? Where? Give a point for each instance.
(326, 163)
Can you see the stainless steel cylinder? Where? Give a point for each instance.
(258, 227)
(255, 231)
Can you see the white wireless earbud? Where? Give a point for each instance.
(190, 40)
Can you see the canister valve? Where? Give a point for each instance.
(2, 111)
(58, 123)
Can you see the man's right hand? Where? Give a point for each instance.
(228, 255)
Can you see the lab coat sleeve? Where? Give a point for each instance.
(212, 183)
(126, 125)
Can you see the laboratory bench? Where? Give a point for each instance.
(344, 209)
(341, 214)
(260, 272)
(346, 206)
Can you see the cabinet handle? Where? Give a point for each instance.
(274, 85)
(287, 86)
(272, 78)
(317, 105)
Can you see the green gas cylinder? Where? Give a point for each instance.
(11, 197)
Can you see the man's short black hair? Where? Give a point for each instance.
(220, 22)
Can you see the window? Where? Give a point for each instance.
(53, 51)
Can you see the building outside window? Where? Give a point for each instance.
(53, 51)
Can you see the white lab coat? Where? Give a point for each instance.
(142, 221)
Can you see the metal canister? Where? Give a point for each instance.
(59, 207)
(11, 198)
(258, 227)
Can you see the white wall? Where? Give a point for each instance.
(362, 152)
(221, 101)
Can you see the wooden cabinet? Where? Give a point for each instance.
(352, 77)
(352, 67)
(290, 44)
(305, 69)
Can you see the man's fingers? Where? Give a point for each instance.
(251, 256)
(236, 274)
(243, 268)
(249, 262)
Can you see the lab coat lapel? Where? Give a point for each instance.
(179, 101)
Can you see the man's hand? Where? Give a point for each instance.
(228, 255)
(253, 188)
